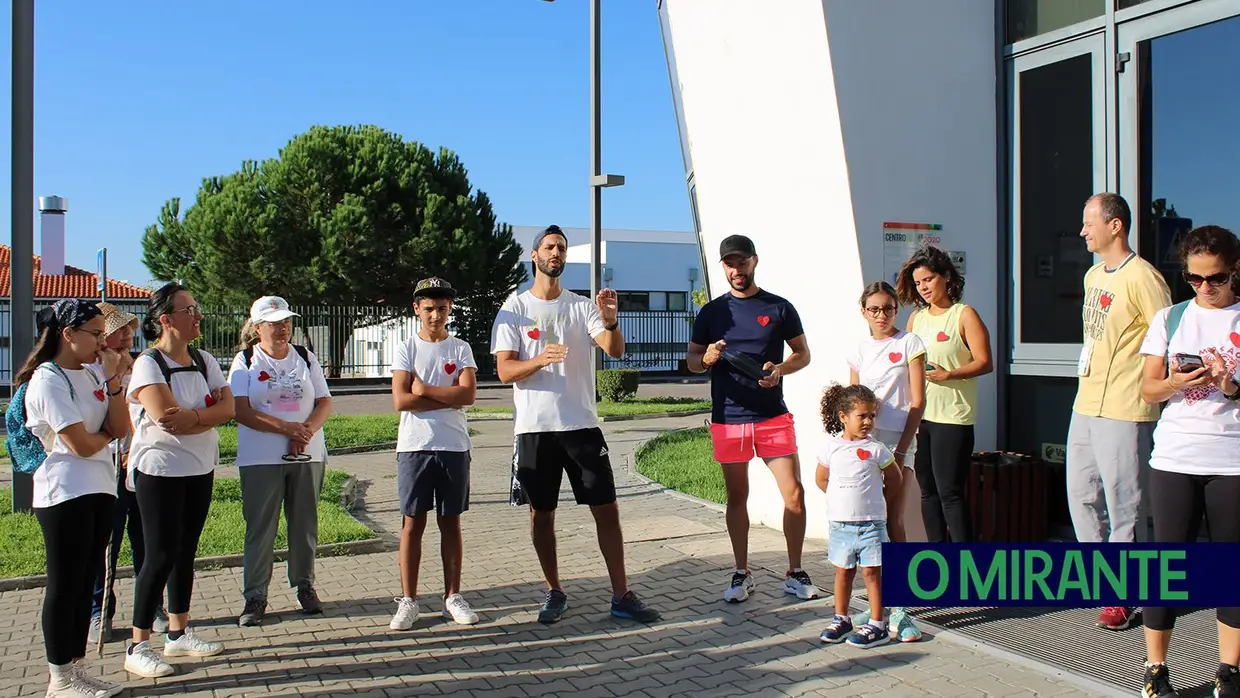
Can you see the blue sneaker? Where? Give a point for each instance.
(902, 626)
(838, 630)
(631, 607)
(870, 635)
(553, 607)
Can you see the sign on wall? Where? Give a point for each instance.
(902, 240)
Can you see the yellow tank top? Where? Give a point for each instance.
(951, 402)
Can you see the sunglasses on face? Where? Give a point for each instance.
(1215, 280)
(875, 311)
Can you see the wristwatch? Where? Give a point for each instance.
(1235, 395)
(612, 326)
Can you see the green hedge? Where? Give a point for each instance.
(617, 384)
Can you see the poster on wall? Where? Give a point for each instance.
(902, 240)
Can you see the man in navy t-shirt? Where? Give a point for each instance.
(739, 337)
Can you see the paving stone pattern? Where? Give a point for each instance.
(678, 559)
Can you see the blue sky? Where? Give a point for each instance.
(136, 102)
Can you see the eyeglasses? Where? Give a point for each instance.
(98, 334)
(1215, 280)
(193, 310)
(883, 310)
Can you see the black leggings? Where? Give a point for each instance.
(1178, 502)
(75, 534)
(174, 510)
(942, 465)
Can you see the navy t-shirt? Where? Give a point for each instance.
(758, 326)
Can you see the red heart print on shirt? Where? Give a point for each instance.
(1104, 301)
(863, 454)
(533, 334)
(1235, 339)
(449, 367)
(764, 320)
(895, 357)
(942, 337)
(264, 376)
(210, 400)
(99, 394)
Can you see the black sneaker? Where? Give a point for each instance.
(1227, 682)
(253, 613)
(838, 631)
(631, 607)
(870, 635)
(309, 600)
(1158, 683)
(553, 607)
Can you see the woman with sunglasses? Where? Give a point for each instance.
(177, 398)
(957, 354)
(282, 404)
(892, 363)
(76, 415)
(1190, 364)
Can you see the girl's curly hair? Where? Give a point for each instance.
(842, 398)
(1212, 240)
(937, 261)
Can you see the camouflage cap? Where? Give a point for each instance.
(433, 287)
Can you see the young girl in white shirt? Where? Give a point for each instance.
(172, 463)
(892, 363)
(75, 414)
(855, 469)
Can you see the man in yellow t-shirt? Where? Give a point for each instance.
(1111, 433)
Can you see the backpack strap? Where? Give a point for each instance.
(1174, 315)
(56, 367)
(248, 354)
(195, 358)
(158, 356)
(301, 351)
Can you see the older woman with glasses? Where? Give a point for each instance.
(282, 404)
(177, 398)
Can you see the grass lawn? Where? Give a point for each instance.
(684, 461)
(21, 539)
(635, 406)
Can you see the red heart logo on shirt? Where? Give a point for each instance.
(449, 367)
(1235, 339)
(533, 334)
(210, 400)
(764, 320)
(99, 394)
(942, 337)
(863, 454)
(1104, 301)
(264, 376)
(895, 357)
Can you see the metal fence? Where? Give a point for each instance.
(360, 341)
(6, 332)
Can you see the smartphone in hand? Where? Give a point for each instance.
(1187, 363)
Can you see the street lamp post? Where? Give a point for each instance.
(21, 281)
(598, 180)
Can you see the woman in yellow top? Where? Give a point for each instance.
(957, 353)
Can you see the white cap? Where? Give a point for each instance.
(270, 309)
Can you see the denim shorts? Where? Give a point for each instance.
(852, 543)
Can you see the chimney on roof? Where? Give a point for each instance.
(52, 233)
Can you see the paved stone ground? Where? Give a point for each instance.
(678, 559)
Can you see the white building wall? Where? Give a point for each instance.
(811, 125)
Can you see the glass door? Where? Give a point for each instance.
(1058, 117)
(1179, 94)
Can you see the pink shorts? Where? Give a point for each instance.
(739, 443)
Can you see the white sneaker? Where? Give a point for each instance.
(406, 613)
(456, 608)
(799, 584)
(144, 661)
(739, 588)
(102, 689)
(191, 645)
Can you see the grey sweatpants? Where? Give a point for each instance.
(1107, 467)
(264, 490)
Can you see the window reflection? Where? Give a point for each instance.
(1028, 18)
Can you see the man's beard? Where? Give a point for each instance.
(546, 268)
(743, 285)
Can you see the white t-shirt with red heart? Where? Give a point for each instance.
(855, 478)
(882, 366)
(439, 365)
(156, 452)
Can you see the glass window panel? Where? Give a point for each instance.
(676, 301)
(1056, 160)
(1029, 18)
(658, 300)
(1125, 4)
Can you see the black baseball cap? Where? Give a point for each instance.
(433, 287)
(736, 245)
(549, 230)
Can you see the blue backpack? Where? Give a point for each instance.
(25, 449)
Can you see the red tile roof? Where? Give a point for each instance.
(74, 283)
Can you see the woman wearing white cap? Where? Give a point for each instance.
(282, 404)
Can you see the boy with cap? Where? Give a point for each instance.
(542, 339)
(434, 378)
(119, 327)
(748, 328)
